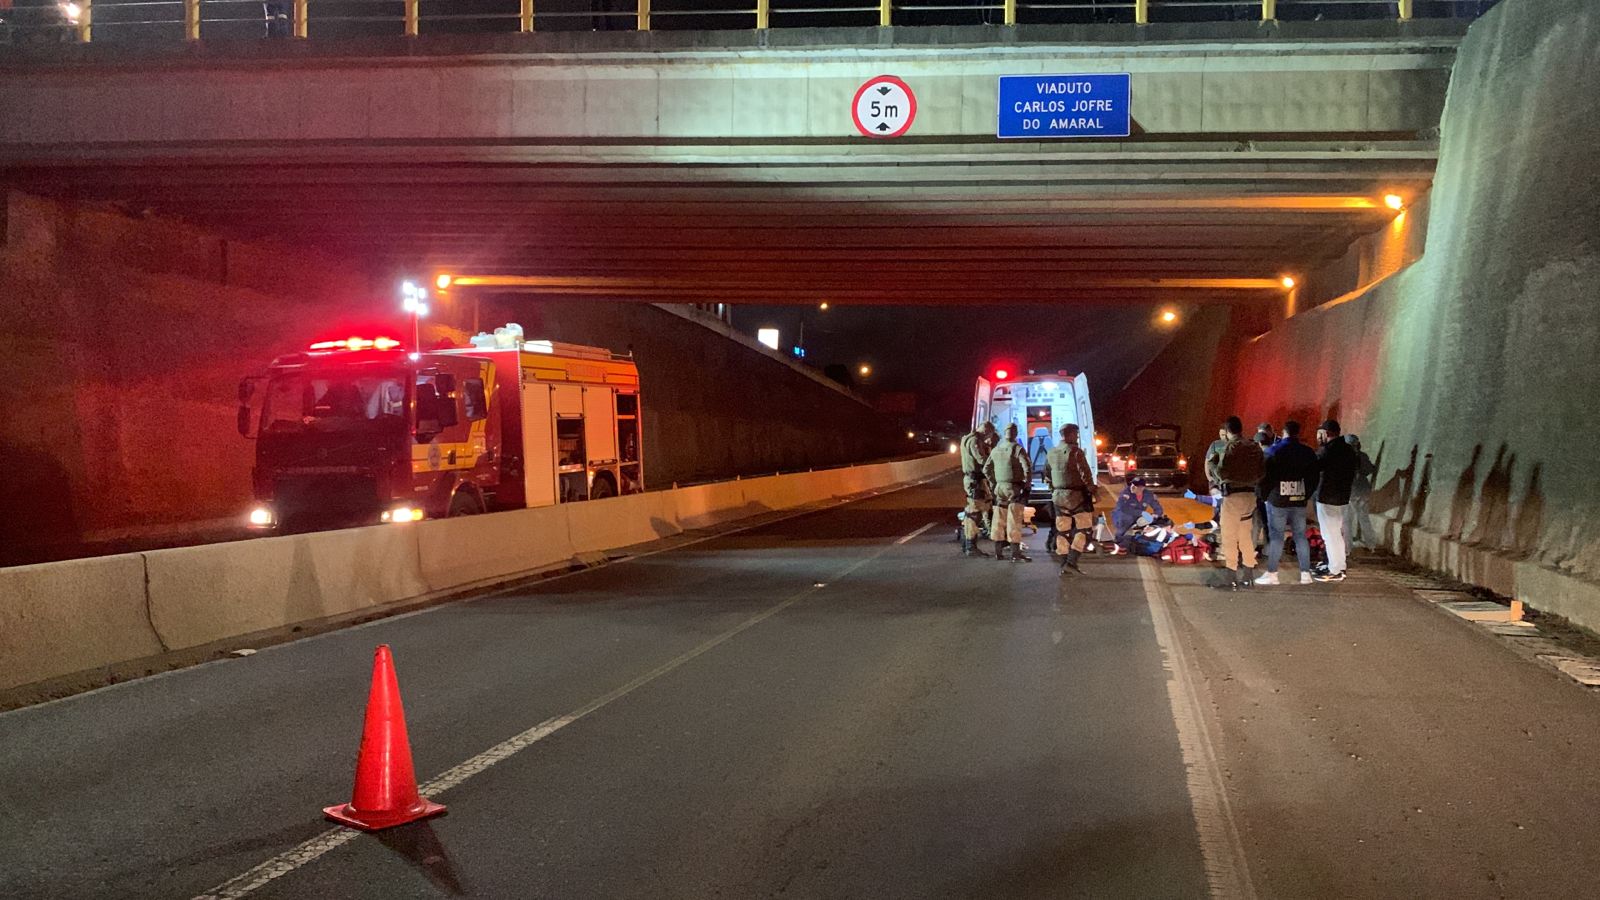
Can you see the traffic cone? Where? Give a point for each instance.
(386, 782)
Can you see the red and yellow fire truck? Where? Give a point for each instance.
(360, 430)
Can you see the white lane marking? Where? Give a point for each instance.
(313, 849)
(913, 535)
(1221, 851)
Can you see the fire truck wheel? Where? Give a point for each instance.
(465, 503)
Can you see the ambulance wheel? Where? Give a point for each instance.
(465, 503)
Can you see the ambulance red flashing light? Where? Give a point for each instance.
(1001, 374)
(357, 343)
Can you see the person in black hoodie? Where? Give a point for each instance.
(1336, 466)
(1289, 483)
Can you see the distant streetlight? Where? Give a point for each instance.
(1288, 282)
(414, 300)
(1394, 202)
(1168, 316)
(864, 370)
(823, 306)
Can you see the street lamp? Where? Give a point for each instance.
(1168, 316)
(864, 370)
(823, 306)
(1394, 202)
(1288, 282)
(414, 300)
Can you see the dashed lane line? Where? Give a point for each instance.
(1221, 851)
(305, 853)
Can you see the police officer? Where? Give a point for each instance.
(1072, 494)
(1008, 469)
(975, 447)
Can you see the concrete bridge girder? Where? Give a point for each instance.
(1362, 89)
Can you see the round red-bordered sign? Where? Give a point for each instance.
(884, 107)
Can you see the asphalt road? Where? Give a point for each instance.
(829, 706)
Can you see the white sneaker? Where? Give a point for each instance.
(1267, 578)
(1305, 577)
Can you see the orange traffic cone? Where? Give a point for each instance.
(386, 782)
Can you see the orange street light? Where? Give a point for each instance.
(443, 282)
(865, 370)
(1288, 282)
(1394, 202)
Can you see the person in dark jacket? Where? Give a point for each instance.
(1337, 465)
(1289, 483)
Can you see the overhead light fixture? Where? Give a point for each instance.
(1288, 282)
(443, 282)
(1394, 202)
(1169, 317)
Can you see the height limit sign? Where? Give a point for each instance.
(884, 107)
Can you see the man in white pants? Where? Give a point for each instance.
(1337, 462)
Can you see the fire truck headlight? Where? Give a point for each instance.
(261, 517)
(402, 514)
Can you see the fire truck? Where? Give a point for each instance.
(358, 430)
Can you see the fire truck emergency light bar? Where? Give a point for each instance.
(355, 343)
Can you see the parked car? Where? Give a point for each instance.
(1156, 457)
(1117, 461)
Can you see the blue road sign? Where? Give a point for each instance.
(1065, 106)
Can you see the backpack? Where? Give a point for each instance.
(1183, 551)
(1242, 463)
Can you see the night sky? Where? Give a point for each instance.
(937, 352)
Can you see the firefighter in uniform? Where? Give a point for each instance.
(975, 449)
(1072, 488)
(1009, 470)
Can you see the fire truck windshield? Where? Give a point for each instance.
(333, 401)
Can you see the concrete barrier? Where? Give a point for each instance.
(70, 621)
(502, 545)
(200, 595)
(57, 618)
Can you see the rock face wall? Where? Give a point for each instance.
(122, 342)
(1472, 375)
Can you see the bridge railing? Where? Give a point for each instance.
(46, 21)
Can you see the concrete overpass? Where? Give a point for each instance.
(725, 165)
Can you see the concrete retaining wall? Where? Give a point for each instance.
(68, 625)
(1471, 375)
